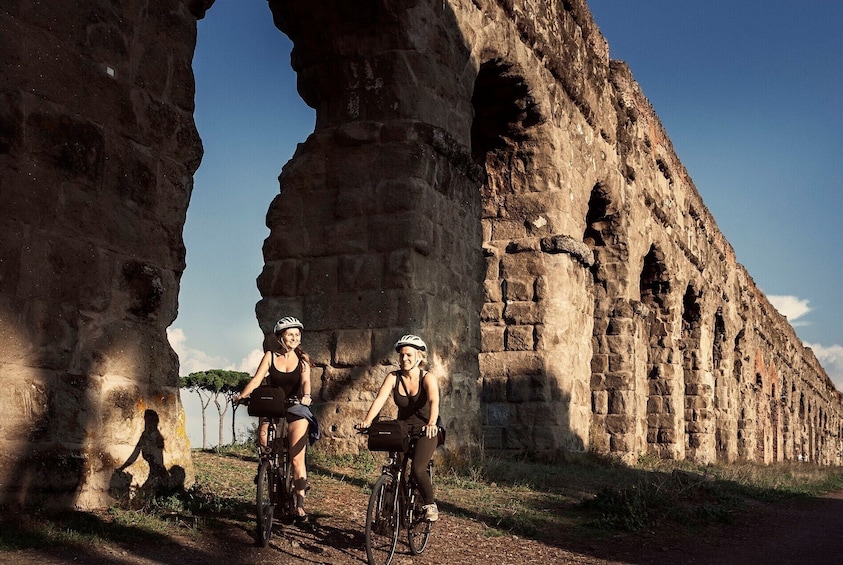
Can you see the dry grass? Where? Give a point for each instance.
(582, 497)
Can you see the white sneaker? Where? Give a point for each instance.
(431, 512)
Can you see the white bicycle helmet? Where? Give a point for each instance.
(286, 323)
(412, 341)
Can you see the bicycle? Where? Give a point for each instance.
(391, 509)
(275, 483)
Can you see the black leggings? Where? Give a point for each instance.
(425, 446)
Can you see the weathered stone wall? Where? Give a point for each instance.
(612, 313)
(97, 152)
(480, 174)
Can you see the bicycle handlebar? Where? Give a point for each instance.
(365, 432)
(291, 400)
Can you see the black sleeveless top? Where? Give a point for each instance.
(414, 408)
(289, 382)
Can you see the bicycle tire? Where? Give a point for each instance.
(287, 486)
(264, 507)
(382, 521)
(418, 529)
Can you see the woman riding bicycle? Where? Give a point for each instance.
(288, 369)
(416, 394)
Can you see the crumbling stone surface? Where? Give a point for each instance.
(480, 173)
(96, 161)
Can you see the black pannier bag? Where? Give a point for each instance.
(389, 435)
(268, 402)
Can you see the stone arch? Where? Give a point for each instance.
(697, 391)
(618, 419)
(663, 409)
(504, 110)
(725, 400)
(519, 384)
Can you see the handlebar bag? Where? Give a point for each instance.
(268, 402)
(389, 435)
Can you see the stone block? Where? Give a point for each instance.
(493, 437)
(666, 436)
(518, 290)
(655, 404)
(522, 313)
(622, 326)
(519, 338)
(508, 230)
(320, 277)
(523, 266)
(493, 390)
(621, 363)
(492, 291)
(619, 380)
(491, 312)
(621, 443)
(599, 363)
(620, 345)
(492, 338)
(600, 402)
(621, 402)
(360, 272)
(619, 424)
(497, 414)
(353, 348)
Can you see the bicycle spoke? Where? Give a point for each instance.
(288, 496)
(418, 532)
(382, 522)
(264, 507)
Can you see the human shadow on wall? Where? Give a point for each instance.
(150, 447)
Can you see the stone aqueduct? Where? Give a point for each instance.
(480, 173)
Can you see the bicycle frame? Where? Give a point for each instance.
(395, 504)
(274, 480)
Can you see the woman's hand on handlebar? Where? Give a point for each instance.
(430, 431)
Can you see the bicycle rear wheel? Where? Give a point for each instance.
(418, 532)
(382, 521)
(286, 494)
(265, 507)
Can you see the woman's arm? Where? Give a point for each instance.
(306, 399)
(431, 384)
(377, 404)
(263, 369)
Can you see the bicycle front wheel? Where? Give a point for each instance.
(265, 507)
(382, 521)
(418, 532)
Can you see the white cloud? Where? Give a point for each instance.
(192, 360)
(831, 358)
(792, 307)
(250, 362)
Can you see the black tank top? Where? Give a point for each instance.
(414, 408)
(290, 382)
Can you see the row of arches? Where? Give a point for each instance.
(699, 398)
(673, 356)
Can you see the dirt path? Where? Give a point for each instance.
(807, 533)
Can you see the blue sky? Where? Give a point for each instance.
(748, 91)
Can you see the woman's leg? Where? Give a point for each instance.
(297, 433)
(262, 432)
(424, 453)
